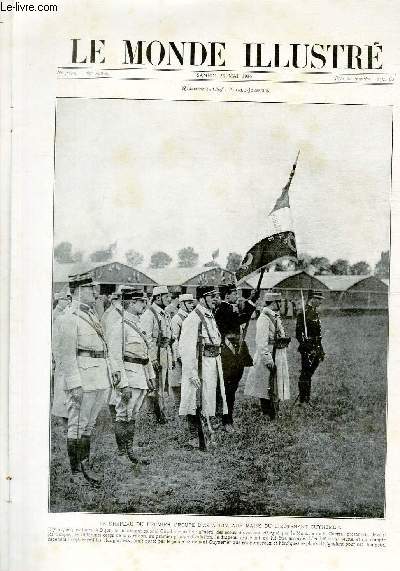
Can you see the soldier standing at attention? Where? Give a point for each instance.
(130, 362)
(234, 351)
(172, 307)
(308, 334)
(200, 351)
(85, 373)
(156, 324)
(186, 304)
(59, 407)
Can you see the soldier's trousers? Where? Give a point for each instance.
(309, 364)
(82, 414)
(128, 411)
(232, 371)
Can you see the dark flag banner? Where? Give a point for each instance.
(266, 251)
(280, 240)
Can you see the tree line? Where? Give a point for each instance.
(187, 258)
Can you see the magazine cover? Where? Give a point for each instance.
(199, 236)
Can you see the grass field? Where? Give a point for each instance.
(324, 461)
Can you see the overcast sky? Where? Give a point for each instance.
(158, 175)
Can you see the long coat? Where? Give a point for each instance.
(211, 374)
(268, 327)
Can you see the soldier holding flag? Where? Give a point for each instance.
(234, 352)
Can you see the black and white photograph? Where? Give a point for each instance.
(220, 308)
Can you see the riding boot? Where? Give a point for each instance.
(159, 413)
(84, 453)
(130, 432)
(72, 454)
(302, 390)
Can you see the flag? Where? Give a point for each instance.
(280, 239)
(215, 254)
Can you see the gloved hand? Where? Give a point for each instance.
(268, 361)
(116, 377)
(195, 381)
(77, 395)
(126, 394)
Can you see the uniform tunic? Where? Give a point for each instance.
(155, 327)
(80, 330)
(127, 340)
(176, 326)
(310, 348)
(59, 406)
(212, 376)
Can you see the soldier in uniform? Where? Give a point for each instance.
(114, 312)
(85, 373)
(156, 324)
(110, 317)
(59, 407)
(234, 351)
(172, 307)
(308, 334)
(186, 304)
(200, 351)
(130, 363)
(269, 328)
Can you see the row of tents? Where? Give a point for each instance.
(365, 292)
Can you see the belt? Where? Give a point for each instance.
(138, 360)
(211, 350)
(91, 353)
(164, 342)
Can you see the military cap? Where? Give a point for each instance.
(62, 295)
(132, 293)
(186, 297)
(225, 289)
(160, 290)
(202, 291)
(272, 296)
(315, 294)
(81, 280)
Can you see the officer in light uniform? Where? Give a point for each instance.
(113, 313)
(200, 351)
(85, 372)
(59, 407)
(186, 304)
(156, 324)
(130, 362)
(110, 317)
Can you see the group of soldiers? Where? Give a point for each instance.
(190, 348)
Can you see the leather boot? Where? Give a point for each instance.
(84, 449)
(73, 454)
(159, 413)
(120, 438)
(130, 431)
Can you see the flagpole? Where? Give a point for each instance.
(304, 314)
